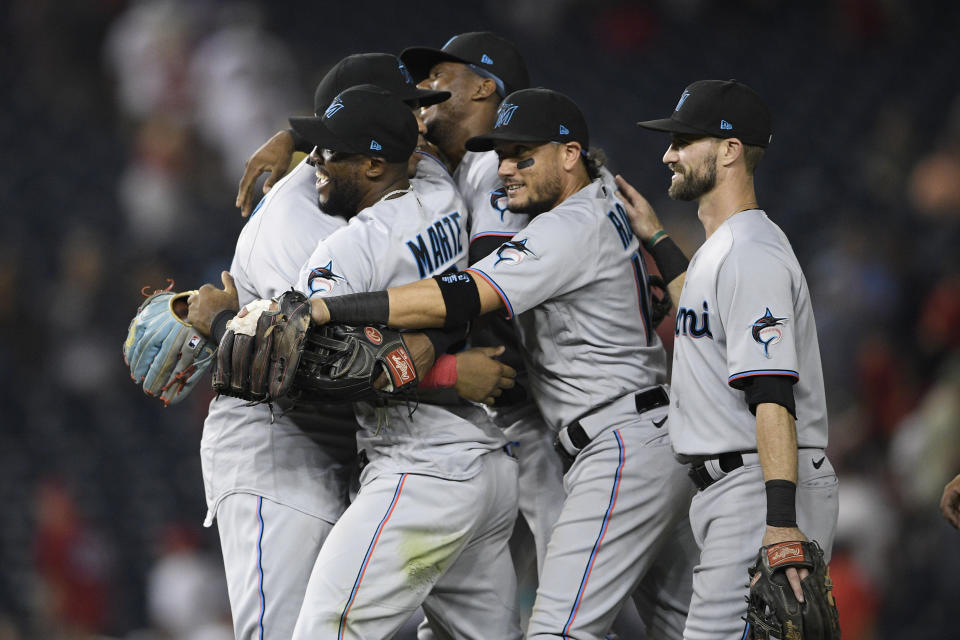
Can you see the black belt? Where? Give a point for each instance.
(644, 401)
(726, 461)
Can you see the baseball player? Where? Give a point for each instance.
(747, 411)
(575, 284)
(437, 496)
(479, 69)
(276, 482)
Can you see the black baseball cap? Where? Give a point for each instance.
(366, 120)
(486, 53)
(535, 115)
(720, 109)
(381, 69)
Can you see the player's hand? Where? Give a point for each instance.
(773, 535)
(204, 305)
(950, 503)
(273, 157)
(482, 378)
(643, 219)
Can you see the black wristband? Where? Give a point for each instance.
(781, 503)
(219, 325)
(443, 339)
(300, 143)
(460, 297)
(359, 308)
(669, 258)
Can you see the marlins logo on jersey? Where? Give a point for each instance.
(323, 279)
(766, 331)
(498, 200)
(513, 252)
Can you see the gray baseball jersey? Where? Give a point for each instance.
(588, 340)
(277, 482)
(577, 287)
(396, 241)
(745, 311)
(293, 463)
(437, 501)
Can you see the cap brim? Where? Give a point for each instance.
(488, 141)
(312, 129)
(425, 97)
(419, 60)
(671, 126)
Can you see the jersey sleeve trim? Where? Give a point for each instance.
(496, 287)
(493, 234)
(763, 372)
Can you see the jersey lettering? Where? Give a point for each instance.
(441, 249)
(643, 294)
(421, 255)
(446, 243)
(622, 224)
(687, 323)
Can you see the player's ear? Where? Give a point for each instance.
(570, 155)
(485, 88)
(730, 150)
(375, 167)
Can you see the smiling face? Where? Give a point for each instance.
(339, 181)
(693, 161)
(531, 187)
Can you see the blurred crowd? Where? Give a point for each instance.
(126, 125)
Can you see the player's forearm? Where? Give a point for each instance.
(671, 262)
(777, 448)
(417, 305)
(675, 286)
(776, 442)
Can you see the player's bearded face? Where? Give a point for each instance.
(692, 176)
(535, 188)
(338, 186)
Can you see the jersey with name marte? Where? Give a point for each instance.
(397, 241)
(577, 286)
(744, 311)
(293, 458)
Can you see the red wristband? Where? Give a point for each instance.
(443, 375)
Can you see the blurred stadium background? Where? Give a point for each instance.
(125, 126)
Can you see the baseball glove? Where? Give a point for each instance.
(773, 611)
(165, 354)
(282, 355)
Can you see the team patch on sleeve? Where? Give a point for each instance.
(514, 252)
(766, 331)
(323, 280)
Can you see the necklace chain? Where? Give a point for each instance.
(395, 192)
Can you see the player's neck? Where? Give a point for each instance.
(476, 123)
(400, 185)
(723, 202)
(574, 183)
